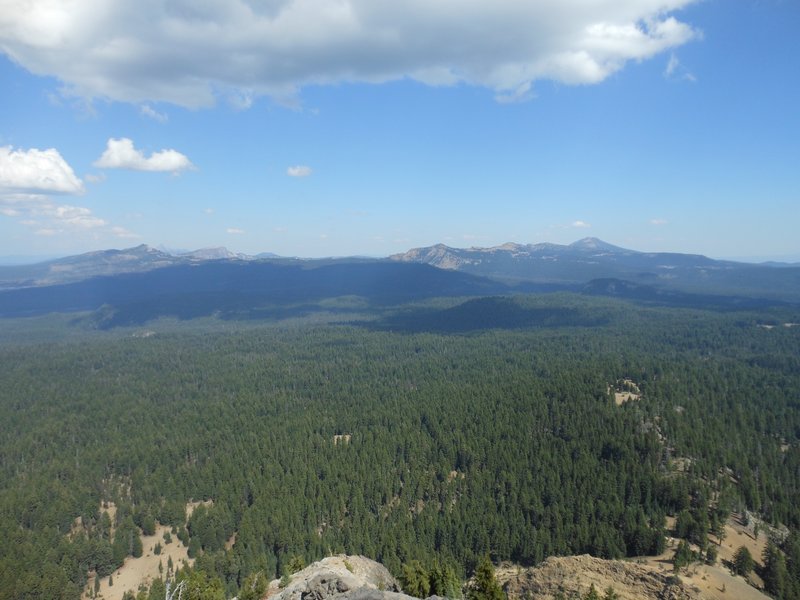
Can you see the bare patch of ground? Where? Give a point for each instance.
(190, 506)
(453, 475)
(625, 390)
(142, 570)
(646, 578)
(715, 582)
(230, 542)
(576, 574)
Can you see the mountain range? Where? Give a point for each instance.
(141, 283)
(590, 259)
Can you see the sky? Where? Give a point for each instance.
(368, 127)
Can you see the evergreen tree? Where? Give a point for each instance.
(484, 585)
(682, 557)
(775, 573)
(742, 562)
(592, 594)
(415, 579)
(254, 587)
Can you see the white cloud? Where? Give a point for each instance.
(522, 94)
(298, 171)
(676, 71)
(36, 171)
(148, 111)
(29, 181)
(121, 154)
(77, 216)
(95, 178)
(208, 211)
(581, 224)
(45, 217)
(193, 53)
(234, 231)
(123, 233)
(658, 221)
(672, 65)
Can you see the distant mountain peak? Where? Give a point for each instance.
(215, 253)
(596, 244)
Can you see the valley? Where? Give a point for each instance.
(414, 416)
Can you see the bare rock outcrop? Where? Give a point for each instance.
(573, 575)
(340, 578)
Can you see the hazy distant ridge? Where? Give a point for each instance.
(590, 259)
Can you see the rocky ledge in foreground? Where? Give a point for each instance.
(571, 575)
(340, 578)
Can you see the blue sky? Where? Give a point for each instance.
(285, 126)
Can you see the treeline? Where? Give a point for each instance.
(500, 442)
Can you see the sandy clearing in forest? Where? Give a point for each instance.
(142, 570)
(712, 580)
(621, 398)
(736, 536)
(190, 506)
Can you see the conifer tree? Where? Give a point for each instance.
(484, 585)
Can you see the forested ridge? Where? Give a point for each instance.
(504, 441)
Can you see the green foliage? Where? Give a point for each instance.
(158, 590)
(743, 562)
(254, 587)
(201, 586)
(443, 580)
(683, 556)
(775, 573)
(592, 594)
(415, 579)
(286, 579)
(296, 563)
(148, 525)
(245, 415)
(484, 586)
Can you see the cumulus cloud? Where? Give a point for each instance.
(298, 171)
(581, 224)
(29, 181)
(234, 231)
(192, 54)
(36, 171)
(121, 154)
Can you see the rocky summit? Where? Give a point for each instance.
(340, 577)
